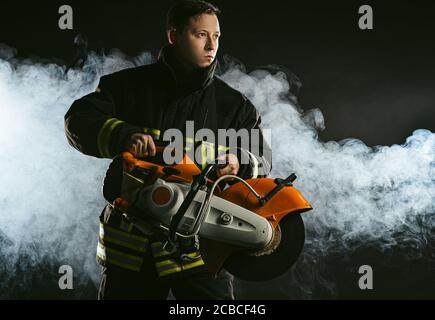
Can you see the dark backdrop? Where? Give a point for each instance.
(375, 85)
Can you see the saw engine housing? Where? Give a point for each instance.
(225, 222)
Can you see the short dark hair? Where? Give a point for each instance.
(179, 14)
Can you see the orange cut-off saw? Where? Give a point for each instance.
(252, 228)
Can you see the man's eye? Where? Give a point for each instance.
(201, 34)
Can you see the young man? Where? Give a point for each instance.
(132, 108)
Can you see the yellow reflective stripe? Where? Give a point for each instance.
(223, 148)
(153, 131)
(101, 133)
(123, 239)
(206, 146)
(167, 267)
(161, 254)
(119, 258)
(193, 264)
(122, 254)
(193, 254)
(166, 262)
(170, 266)
(124, 244)
(119, 263)
(104, 136)
(189, 144)
(122, 233)
(207, 150)
(203, 156)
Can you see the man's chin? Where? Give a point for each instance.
(204, 64)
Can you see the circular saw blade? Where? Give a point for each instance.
(270, 266)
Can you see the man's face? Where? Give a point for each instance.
(199, 39)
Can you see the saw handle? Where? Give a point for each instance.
(198, 182)
(280, 183)
(158, 158)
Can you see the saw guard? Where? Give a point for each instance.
(288, 200)
(282, 206)
(270, 266)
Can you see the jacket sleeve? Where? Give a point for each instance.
(255, 159)
(91, 126)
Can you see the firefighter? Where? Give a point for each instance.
(132, 108)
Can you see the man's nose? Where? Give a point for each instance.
(211, 44)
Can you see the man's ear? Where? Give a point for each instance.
(172, 36)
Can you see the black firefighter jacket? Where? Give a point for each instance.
(153, 98)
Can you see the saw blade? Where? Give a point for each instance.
(248, 267)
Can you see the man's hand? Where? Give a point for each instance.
(141, 145)
(232, 166)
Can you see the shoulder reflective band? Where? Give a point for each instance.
(119, 258)
(103, 139)
(122, 238)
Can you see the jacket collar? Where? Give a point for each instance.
(200, 78)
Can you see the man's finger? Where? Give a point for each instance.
(151, 147)
(133, 150)
(225, 170)
(141, 149)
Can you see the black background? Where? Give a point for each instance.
(376, 85)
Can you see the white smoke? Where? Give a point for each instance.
(50, 194)
(360, 190)
(361, 195)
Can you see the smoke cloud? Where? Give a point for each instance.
(367, 200)
(370, 204)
